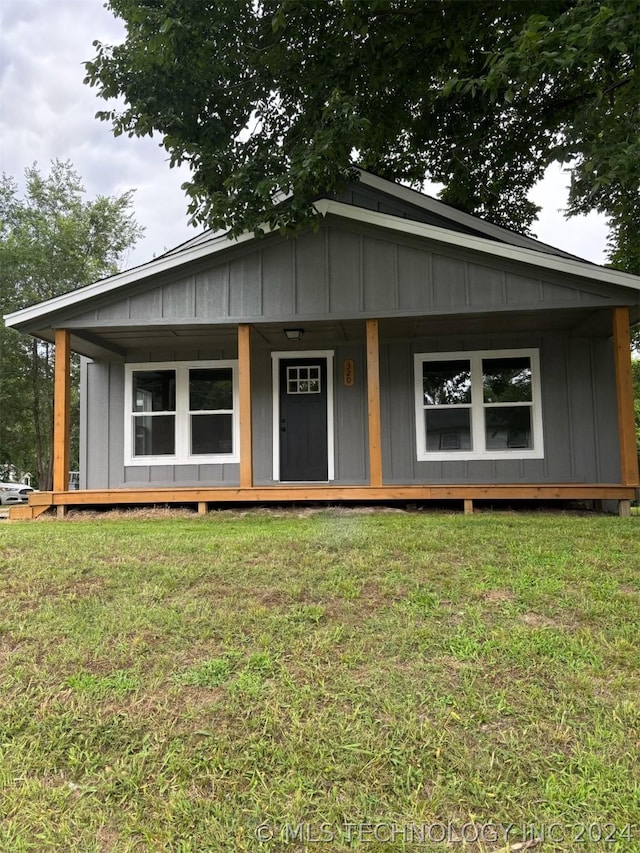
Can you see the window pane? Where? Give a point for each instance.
(211, 434)
(446, 382)
(154, 436)
(154, 391)
(508, 427)
(506, 380)
(448, 429)
(210, 388)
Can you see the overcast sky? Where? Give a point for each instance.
(46, 112)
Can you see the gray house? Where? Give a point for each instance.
(403, 351)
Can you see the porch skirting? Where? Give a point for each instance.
(202, 497)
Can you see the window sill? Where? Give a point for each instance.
(213, 459)
(466, 456)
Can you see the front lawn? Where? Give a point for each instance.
(320, 680)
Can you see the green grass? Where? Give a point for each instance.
(341, 680)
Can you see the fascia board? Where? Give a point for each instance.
(439, 208)
(115, 282)
(580, 269)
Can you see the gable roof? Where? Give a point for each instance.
(463, 231)
(450, 217)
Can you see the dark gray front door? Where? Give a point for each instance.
(303, 419)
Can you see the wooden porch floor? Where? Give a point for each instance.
(202, 497)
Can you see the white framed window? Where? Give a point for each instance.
(478, 405)
(181, 413)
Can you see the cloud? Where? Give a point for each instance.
(48, 113)
(585, 236)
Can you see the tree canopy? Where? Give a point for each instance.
(52, 240)
(278, 99)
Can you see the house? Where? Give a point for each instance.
(403, 351)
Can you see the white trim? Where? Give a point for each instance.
(215, 243)
(182, 415)
(477, 407)
(582, 269)
(276, 357)
(446, 211)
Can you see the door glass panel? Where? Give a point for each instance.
(446, 382)
(154, 391)
(506, 380)
(304, 380)
(154, 436)
(448, 429)
(507, 427)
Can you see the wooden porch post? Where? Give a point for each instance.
(624, 395)
(61, 411)
(373, 393)
(244, 389)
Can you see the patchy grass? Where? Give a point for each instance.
(262, 681)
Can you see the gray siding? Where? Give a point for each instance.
(103, 444)
(262, 413)
(102, 429)
(578, 408)
(344, 272)
(578, 404)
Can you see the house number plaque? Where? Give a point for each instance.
(348, 372)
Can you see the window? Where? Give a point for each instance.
(478, 405)
(177, 413)
(303, 380)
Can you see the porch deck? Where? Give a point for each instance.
(201, 497)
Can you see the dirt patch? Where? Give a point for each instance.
(141, 513)
(498, 596)
(274, 598)
(537, 620)
(175, 512)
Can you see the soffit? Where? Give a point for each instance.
(118, 343)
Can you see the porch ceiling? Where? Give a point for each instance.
(120, 341)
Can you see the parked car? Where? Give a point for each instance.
(14, 493)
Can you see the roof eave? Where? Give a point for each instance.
(468, 220)
(104, 286)
(483, 245)
(569, 265)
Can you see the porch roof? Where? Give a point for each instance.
(118, 342)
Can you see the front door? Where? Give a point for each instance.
(302, 421)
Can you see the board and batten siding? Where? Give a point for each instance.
(578, 410)
(342, 273)
(102, 426)
(578, 407)
(102, 437)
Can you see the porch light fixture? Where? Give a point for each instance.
(294, 334)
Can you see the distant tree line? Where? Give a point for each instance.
(52, 240)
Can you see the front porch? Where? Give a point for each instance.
(249, 489)
(203, 498)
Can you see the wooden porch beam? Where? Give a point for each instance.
(624, 396)
(61, 410)
(373, 394)
(244, 393)
(275, 494)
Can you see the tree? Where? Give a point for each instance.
(51, 241)
(278, 99)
